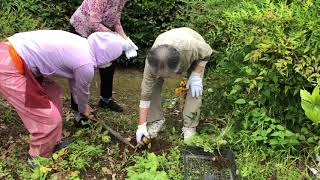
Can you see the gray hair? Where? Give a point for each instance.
(163, 59)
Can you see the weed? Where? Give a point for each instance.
(151, 166)
(8, 116)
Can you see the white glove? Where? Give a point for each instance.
(195, 84)
(131, 53)
(133, 46)
(142, 131)
(126, 46)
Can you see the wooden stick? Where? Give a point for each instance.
(113, 132)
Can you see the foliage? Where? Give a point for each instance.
(76, 157)
(146, 168)
(19, 16)
(311, 103)
(151, 166)
(145, 20)
(208, 139)
(268, 131)
(266, 52)
(8, 116)
(82, 154)
(265, 164)
(4, 173)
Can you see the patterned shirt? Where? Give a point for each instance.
(98, 16)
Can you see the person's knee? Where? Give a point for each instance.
(56, 117)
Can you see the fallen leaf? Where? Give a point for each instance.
(106, 170)
(66, 133)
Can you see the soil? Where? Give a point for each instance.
(220, 162)
(12, 134)
(157, 146)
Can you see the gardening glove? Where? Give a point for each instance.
(131, 53)
(132, 45)
(125, 46)
(195, 84)
(142, 131)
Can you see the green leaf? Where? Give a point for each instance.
(240, 101)
(311, 104)
(237, 80)
(252, 103)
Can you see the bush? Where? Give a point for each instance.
(19, 16)
(145, 20)
(266, 52)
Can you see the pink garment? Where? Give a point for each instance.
(50, 53)
(98, 16)
(44, 125)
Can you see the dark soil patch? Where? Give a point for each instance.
(220, 162)
(157, 146)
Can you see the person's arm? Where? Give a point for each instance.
(96, 15)
(147, 85)
(148, 82)
(201, 54)
(80, 87)
(200, 67)
(132, 52)
(118, 29)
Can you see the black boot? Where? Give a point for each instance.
(111, 105)
(63, 144)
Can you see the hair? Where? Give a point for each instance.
(163, 58)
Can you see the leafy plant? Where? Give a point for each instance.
(8, 116)
(147, 168)
(311, 103)
(83, 153)
(150, 166)
(208, 142)
(269, 131)
(41, 169)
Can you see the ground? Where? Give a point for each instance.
(110, 158)
(95, 154)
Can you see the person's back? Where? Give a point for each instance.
(52, 52)
(178, 35)
(48, 53)
(190, 44)
(98, 15)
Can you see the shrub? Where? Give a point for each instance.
(266, 52)
(145, 20)
(19, 16)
